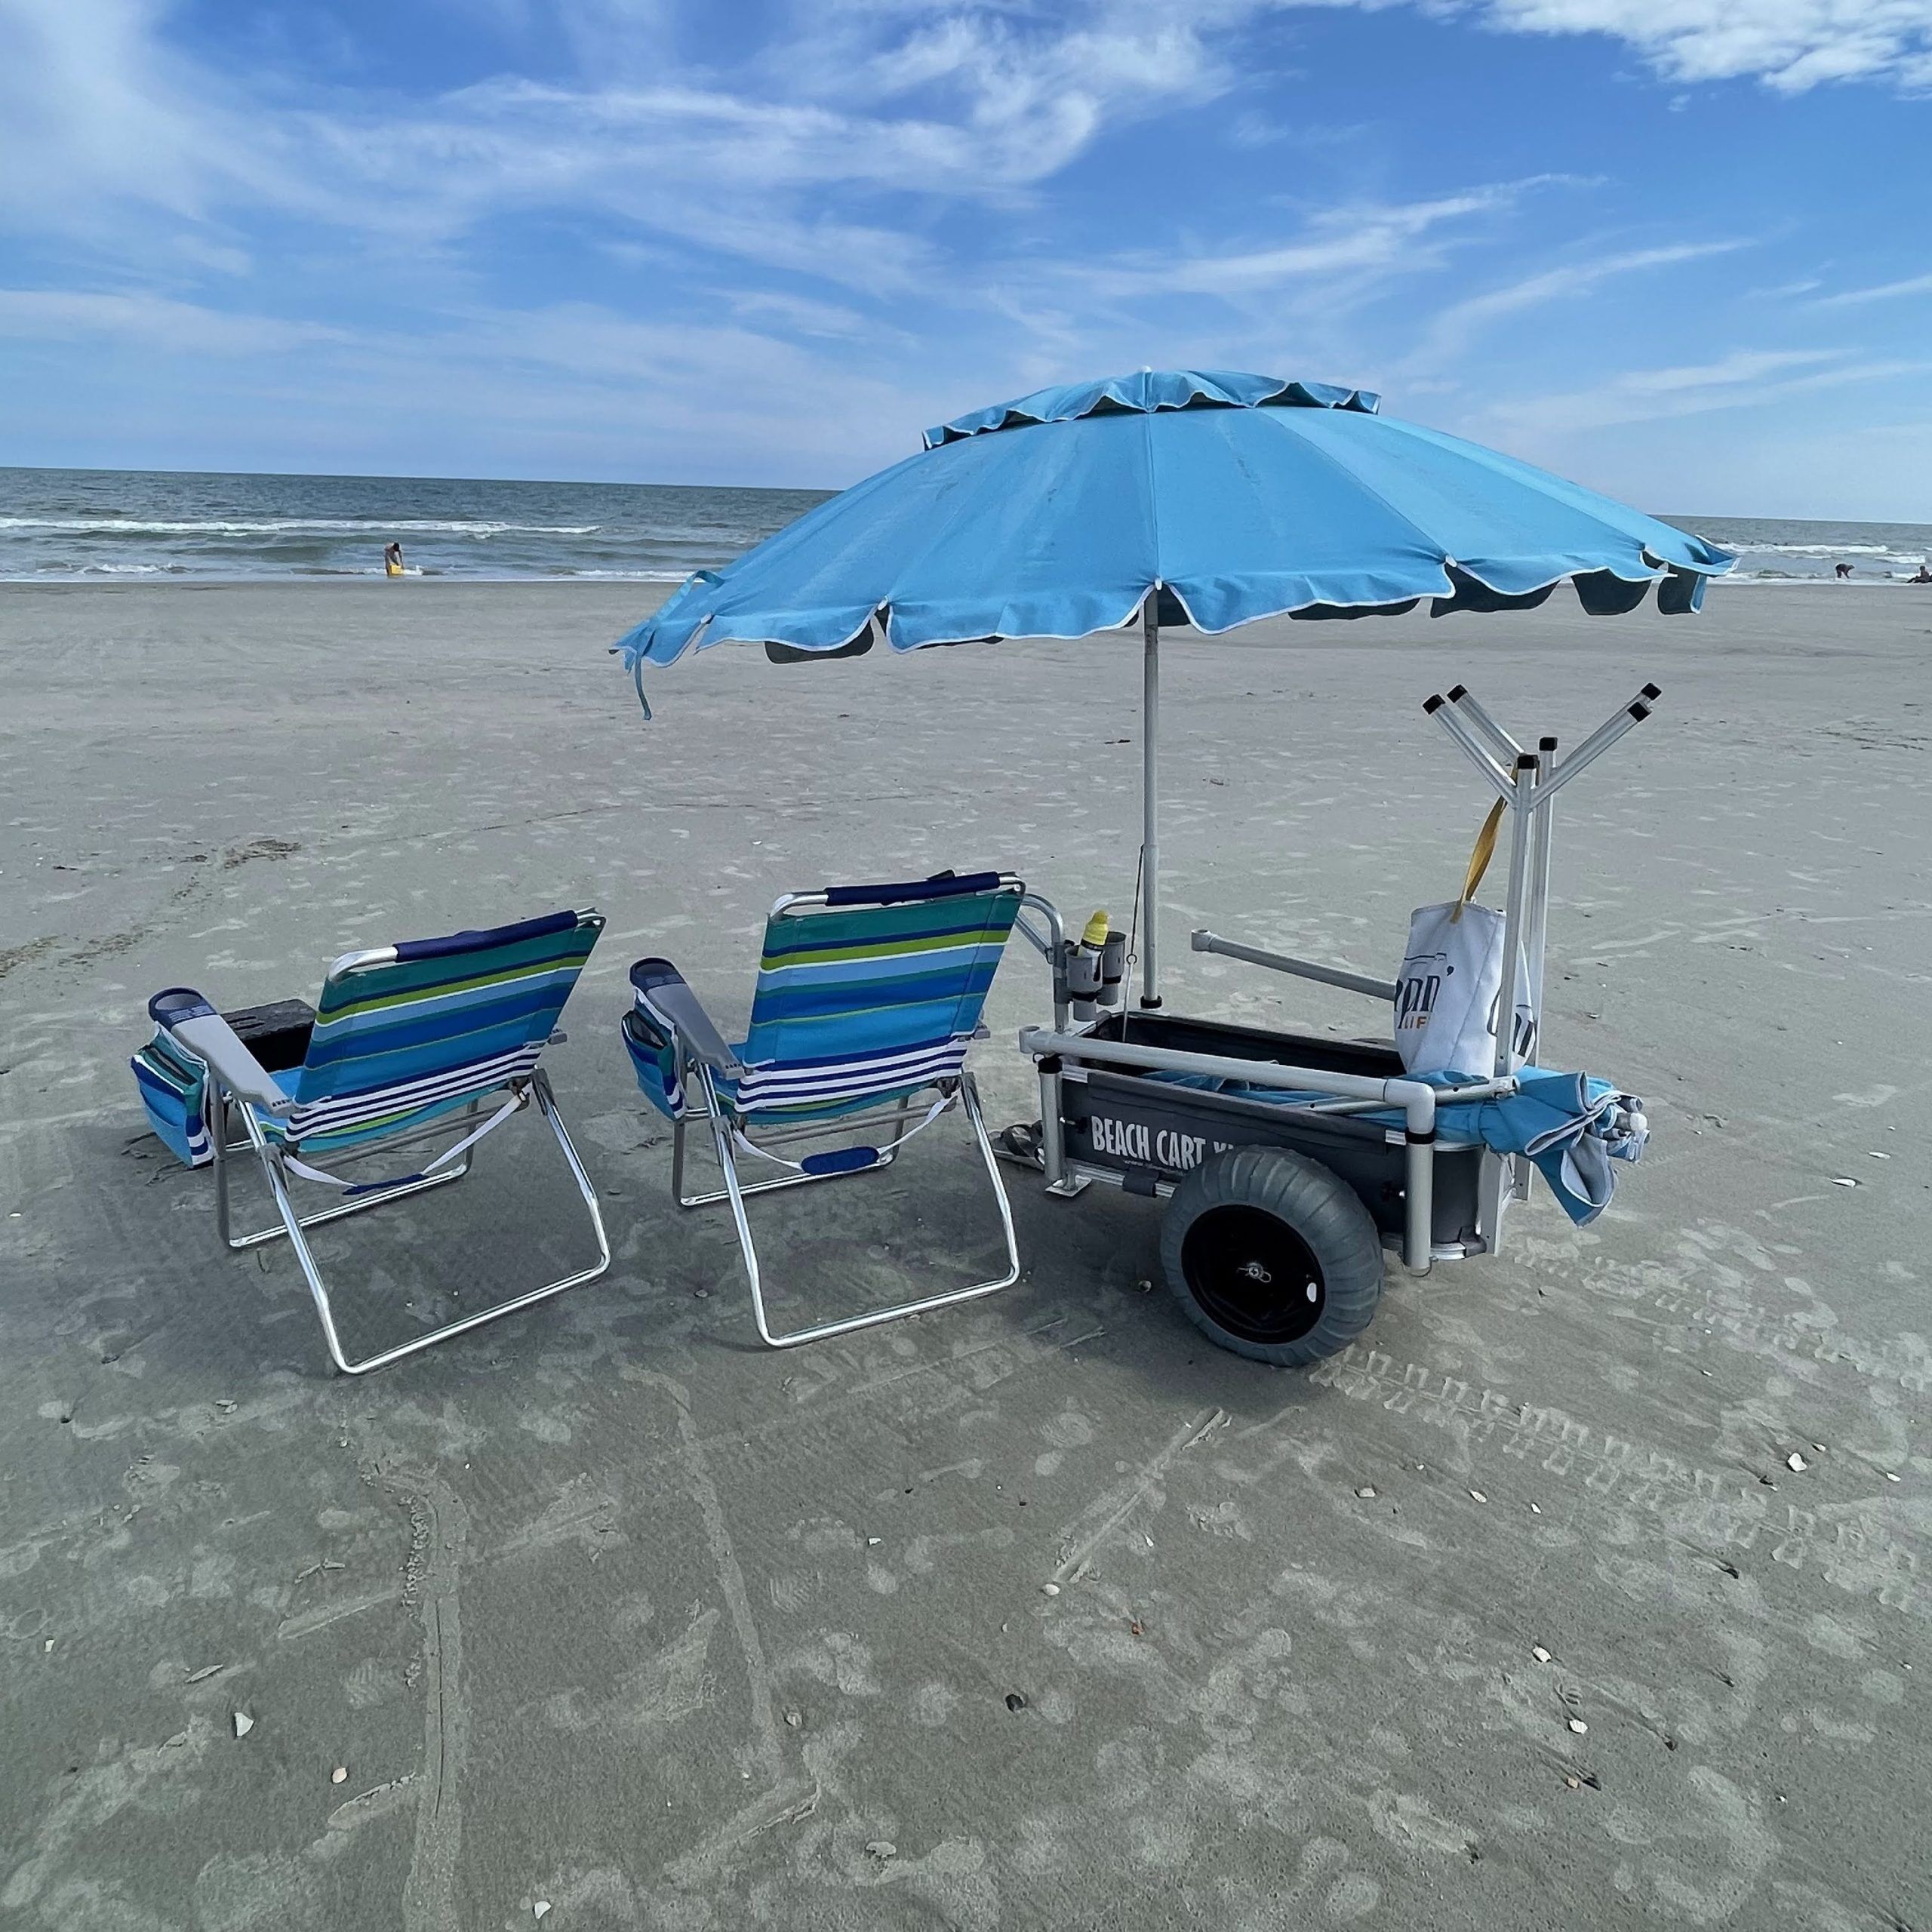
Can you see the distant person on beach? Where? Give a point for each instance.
(1924, 572)
(1844, 570)
(392, 560)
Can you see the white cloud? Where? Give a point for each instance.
(804, 156)
(1917, 284)
(1791, 45)
(1742, 365)
(96, 111)
(801, 314)
(1750, 378)
(1458, 325)
(847, 149)
(1335, 242)
(154, 321)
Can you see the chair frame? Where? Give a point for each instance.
(698, 1064)
(527, 1089)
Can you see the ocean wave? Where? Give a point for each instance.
(295, 526)
(1821, 549)
(61, 572)
(70, 573)
(1773, 579)
(619, 577)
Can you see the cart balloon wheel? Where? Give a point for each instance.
(1271, 1255)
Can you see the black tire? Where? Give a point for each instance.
(1271, 1255)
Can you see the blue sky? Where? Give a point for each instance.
(1679, 249)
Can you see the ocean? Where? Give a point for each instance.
(101, 525)
(108, 525)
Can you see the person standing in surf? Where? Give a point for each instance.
(393, 559)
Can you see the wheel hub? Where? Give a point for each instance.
(1253, 1274)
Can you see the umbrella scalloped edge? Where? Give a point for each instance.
(1602, 592)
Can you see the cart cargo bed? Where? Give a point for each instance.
(1150, 1131)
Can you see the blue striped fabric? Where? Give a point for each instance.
(170, 1080)
(654, 1059)
(396, 1045)
(861, 1005)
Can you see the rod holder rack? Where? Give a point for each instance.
(1527, 783)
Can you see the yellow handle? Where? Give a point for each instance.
(1096, 934)
(1484, 850)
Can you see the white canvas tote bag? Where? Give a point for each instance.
(1451, 985)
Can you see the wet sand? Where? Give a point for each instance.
(608, 1608)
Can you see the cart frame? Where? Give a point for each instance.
(1074, 1049)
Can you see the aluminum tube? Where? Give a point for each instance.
(1541, 833)
(1472, 745)
(1053, 1127)
(1418, 1223)
(1150, 843)
(1418, 1103)
(1503, 748)
(1600, 740)
(1203, 941)
(1053, 948)
(1523, 806)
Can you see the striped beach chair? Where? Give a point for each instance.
(867, 999)
(410, 1044)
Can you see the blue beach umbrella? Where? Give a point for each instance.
(1174, 497)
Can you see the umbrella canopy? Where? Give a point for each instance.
(1233, 497)
(1204, 497)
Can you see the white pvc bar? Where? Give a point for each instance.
(1415, 1097)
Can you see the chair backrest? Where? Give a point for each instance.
(426, 1024)
(866, 993)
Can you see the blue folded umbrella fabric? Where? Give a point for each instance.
(1571, 1125)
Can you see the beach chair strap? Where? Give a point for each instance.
(828, 1162)
(442, 1160)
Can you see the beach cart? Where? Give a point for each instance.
(1290, 1161)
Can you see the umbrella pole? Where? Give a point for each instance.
(1150, 845)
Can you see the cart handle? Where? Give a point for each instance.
(1051, 947)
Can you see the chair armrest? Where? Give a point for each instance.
(662, 991)
(184, 1014)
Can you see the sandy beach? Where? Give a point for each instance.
(1588, 1591)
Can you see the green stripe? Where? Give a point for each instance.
(350, 1006)
(902, 949)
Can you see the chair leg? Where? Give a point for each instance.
(295, 1228)
(736, 1193)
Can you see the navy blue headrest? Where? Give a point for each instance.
(941, 885)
